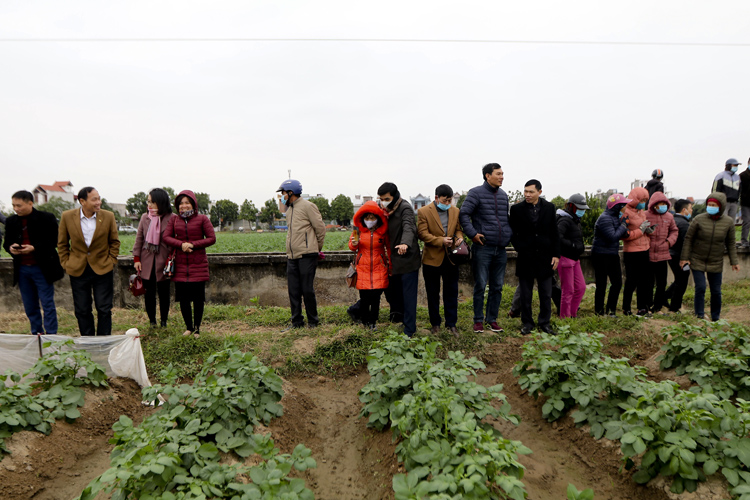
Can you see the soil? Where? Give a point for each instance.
(355, 462)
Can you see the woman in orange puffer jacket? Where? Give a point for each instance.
(370, 240)
(635, 254)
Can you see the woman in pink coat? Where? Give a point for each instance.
(190, 234)
(150, 253)
(664, 235)
(635, 253)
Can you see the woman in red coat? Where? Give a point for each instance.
(190, 234)
(369, 240)
(150, 253)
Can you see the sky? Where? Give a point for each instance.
(174, 102)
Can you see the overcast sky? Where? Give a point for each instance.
(230, 118)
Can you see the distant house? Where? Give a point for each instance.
(419, 201)
(358, 200)
(43, 193)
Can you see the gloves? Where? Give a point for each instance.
(644, 225)
(650, 229)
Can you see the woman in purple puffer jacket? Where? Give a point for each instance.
(190, 233)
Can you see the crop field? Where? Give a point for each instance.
(611, 409)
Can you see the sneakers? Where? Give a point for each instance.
(495, 327)
(478, 327)
(513, 314)
(435, 330)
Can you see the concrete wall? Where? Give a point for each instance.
(238, 278)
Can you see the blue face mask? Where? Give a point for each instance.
(687, 216)
(662, 209)
(712, 210)
(734, 170)
(640, 206)
(579, 213)
(619, 215)
(443, 206)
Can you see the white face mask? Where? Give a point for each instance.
(385, 204)
(370, 223)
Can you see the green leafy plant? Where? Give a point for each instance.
(574, 494)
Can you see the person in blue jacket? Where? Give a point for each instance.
(484, 219)
(610, 228)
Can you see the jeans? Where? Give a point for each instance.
(488, 264)
(402, 297)
(659, 276)
(102, 286)
(676, 290)
(606, 266)
(369, 306)
(35, 289)
(637, 279)
(714, 283)
(745, 225)
(300, 275)
(544, 287)
(573, 286)
(432, 274)
(191, 295)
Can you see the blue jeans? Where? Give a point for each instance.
(488, 264)
(714, 283)
(34, 289)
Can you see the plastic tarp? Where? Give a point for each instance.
(120, 355)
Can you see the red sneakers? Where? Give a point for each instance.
(495, 327)
(478, 327)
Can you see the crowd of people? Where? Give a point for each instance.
(171, 246)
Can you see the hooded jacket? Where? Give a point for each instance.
(666, 232)
(486, 210)
(196, 229)
(608, 231)
(571, 237)
(372, 251)
(307, 231)
(707, 238)
(636, 241)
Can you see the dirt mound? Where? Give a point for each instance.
(60, 465)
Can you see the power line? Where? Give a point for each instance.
(370, 40)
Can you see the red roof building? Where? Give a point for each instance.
(60, 189)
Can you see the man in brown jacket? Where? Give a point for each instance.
(304, 244)
(88, 245)
(437, 226)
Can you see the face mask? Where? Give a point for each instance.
(661, 209)
(443, 206)
(640, 206)
(370, 223)
(734, 170)
(579, 213)
(286, 200)
(712, 210)
(385, 204)
(619, 215)
(687, 216)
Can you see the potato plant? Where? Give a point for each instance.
(437, 412)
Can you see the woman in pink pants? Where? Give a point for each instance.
(572, 282)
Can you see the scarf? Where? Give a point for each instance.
(153, 236)
(186, 214)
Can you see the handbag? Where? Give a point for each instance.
(169, 266)
(458, 254)
(351, 275)
(136, 285)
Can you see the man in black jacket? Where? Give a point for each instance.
(31, 238)
(745, 205)
(536, 240)
(683, 210)
(401, 293)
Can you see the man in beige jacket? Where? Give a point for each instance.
(88, 244)
(304, 243)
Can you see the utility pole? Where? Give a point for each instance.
(290, 173)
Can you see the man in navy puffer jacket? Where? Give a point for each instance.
(484, 219)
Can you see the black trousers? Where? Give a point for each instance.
(432, 275)
(191, 294)
(394, 294)
(153, 288)
(658, 277)
(676, 290)
(606, 267)
(369, 306)
(637, 279)
(300, 275)
(102, 287)
(544, 287)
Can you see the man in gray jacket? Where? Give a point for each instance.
(484, 219)
(304, 242)
(728, 182)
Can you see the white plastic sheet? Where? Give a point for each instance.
(120, 355)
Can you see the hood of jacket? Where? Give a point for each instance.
(722, 199)
(190, 195)
(636, 195)
(563, 213)
(369, 207)
(656, 198)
